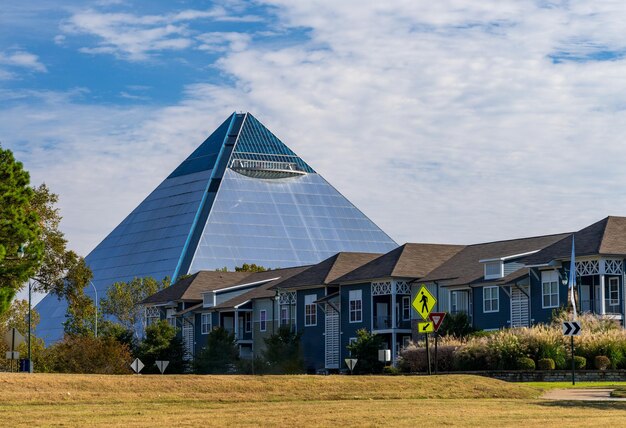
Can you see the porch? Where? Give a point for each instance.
(600, 287)
(391, 307)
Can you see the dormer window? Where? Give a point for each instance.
(494, 270)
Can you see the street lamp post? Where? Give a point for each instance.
(96, 292)
(30, 306)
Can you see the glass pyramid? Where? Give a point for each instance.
(241, 197)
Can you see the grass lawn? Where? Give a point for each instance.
(185, 401)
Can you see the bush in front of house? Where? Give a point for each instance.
(413, 357)
(365, 349)
(161, 343)
(602, 362)
(219, 355)
(283, 353)
(546, 364)
(580, 363)
(525, 363)
(87, 354)
(457, 325)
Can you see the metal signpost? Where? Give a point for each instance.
(424, 303)
(437, 319)
(571, 329)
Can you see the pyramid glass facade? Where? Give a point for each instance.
(242, 197)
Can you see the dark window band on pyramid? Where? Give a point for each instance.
(242, 196)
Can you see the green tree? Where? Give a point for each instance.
(457, 325)
(219, 354)
(81, 311)
(365, 350)
(283, 353)
(162, 343)
(122, 301)
(19, 228)
(250, 268)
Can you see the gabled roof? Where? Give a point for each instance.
(605, 237)
(464, 267)
(327, 271)
(407, 261)
(263, 291)
(191, 288)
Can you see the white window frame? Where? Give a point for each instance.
(355, 306)
(454, 301)
(406, 308)
(310, 310)
(169, 316)
(405, 341)
(491, 299)
(203, 318)
(284, 315)
(350, 342)
(263, 320)
(500, 273)
(612, 301)
(551, 279)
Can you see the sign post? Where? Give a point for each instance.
(13, 338)
(424, 303)
(437, 319)
(571, 329)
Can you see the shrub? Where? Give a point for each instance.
(546, 364)
(219, 354)
(474, 355)
(413, 358)
(525, 363)
(365, 350)
(579, 363)
(391, 370)
(283, 353)
(457, 325)
(544, 342)
(602, 362)
(86, 354)
(256, 365)
(162, 343)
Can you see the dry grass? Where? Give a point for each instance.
(133, 401)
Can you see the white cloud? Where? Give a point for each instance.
(19, 60)
(138, 37)
(443, 121)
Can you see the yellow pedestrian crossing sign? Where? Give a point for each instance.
(425, 327)
(424, 302)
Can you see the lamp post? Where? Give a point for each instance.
(96, 292)
(20, 254)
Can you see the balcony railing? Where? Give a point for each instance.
(611, 306)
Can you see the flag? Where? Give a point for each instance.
(572, 278)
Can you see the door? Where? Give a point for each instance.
(519, 307)
(382, 316)
(585, 298)
(332, 338)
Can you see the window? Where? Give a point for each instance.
(493, 270)
(356, 306)
(284, 315)
(406, 308)
(247, 316)
(310, 310)
(350, 342)
(613, 291)
(263, 320)
(169, 314)
(454, 305)
(491, 299)
(205, 323)
(406, 340)
(549, 289)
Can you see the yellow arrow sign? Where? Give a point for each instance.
(425, 327)
(424, 302)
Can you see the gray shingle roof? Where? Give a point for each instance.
(465, 268)
(190, 289)
(327, 271)
(406, 261)
(606, 237)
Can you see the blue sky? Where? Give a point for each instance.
(447, 121)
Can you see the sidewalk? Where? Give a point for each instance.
(595, 394)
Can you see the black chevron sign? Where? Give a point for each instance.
(571, 328)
